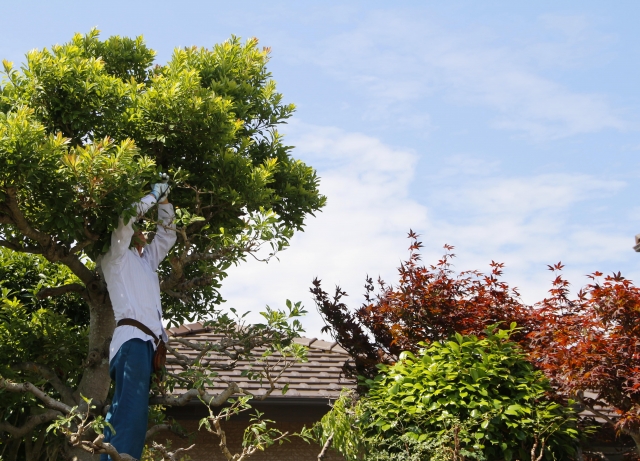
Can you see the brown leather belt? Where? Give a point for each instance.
(139, 326)
(159, 355)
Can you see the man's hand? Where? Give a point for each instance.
(161, 189)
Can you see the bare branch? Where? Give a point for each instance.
(533, 450)
(100, 446)
(212, 400)
(219, 254)
(220, 349)
(325, 448)
(247, 451)
(31, 424)
(57, 291)
(170, 455)
(158, 428)
(189, 344)
(47, 373)
(180, 359)
(593, 410)
(37, 392)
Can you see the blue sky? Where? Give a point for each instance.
(508, 130)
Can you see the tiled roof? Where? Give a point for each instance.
(319, 378)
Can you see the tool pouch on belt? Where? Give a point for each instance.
(160, 355)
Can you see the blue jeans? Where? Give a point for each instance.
(131, 370)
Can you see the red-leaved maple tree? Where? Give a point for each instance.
(590, 347)
(429, 303)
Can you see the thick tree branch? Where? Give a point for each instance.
(21, 223)
(37, 392)
(20, 248)
(31, 424)
(47, 373)
(50, 249)
(5, 218)
(10, 245)
(77, 248)
(57, 291)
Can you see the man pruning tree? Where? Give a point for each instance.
(77, 137)
(129, 269)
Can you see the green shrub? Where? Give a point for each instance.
(466, 398)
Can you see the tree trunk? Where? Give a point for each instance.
(95, 380)
(635, 435)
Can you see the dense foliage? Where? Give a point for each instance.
(462, 398)
(45, 348)
(586, 345)
(39, 336)
(25, 275)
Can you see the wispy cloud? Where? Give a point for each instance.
(398, 61)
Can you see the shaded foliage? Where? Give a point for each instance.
(45, 348)
(24, 275)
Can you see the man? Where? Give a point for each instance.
(130, 272)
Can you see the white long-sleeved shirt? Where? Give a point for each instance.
(132, 279)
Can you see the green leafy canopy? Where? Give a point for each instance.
(86, 126)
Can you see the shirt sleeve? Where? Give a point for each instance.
(165, 236)
(121, 236)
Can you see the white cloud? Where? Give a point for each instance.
(361, 231)
(526, 222)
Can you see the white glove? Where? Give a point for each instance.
(160, 190)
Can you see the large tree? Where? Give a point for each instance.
(85, 127)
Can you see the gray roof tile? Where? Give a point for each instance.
(320, 377)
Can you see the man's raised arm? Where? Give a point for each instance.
(165, 236)
(121, 236)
